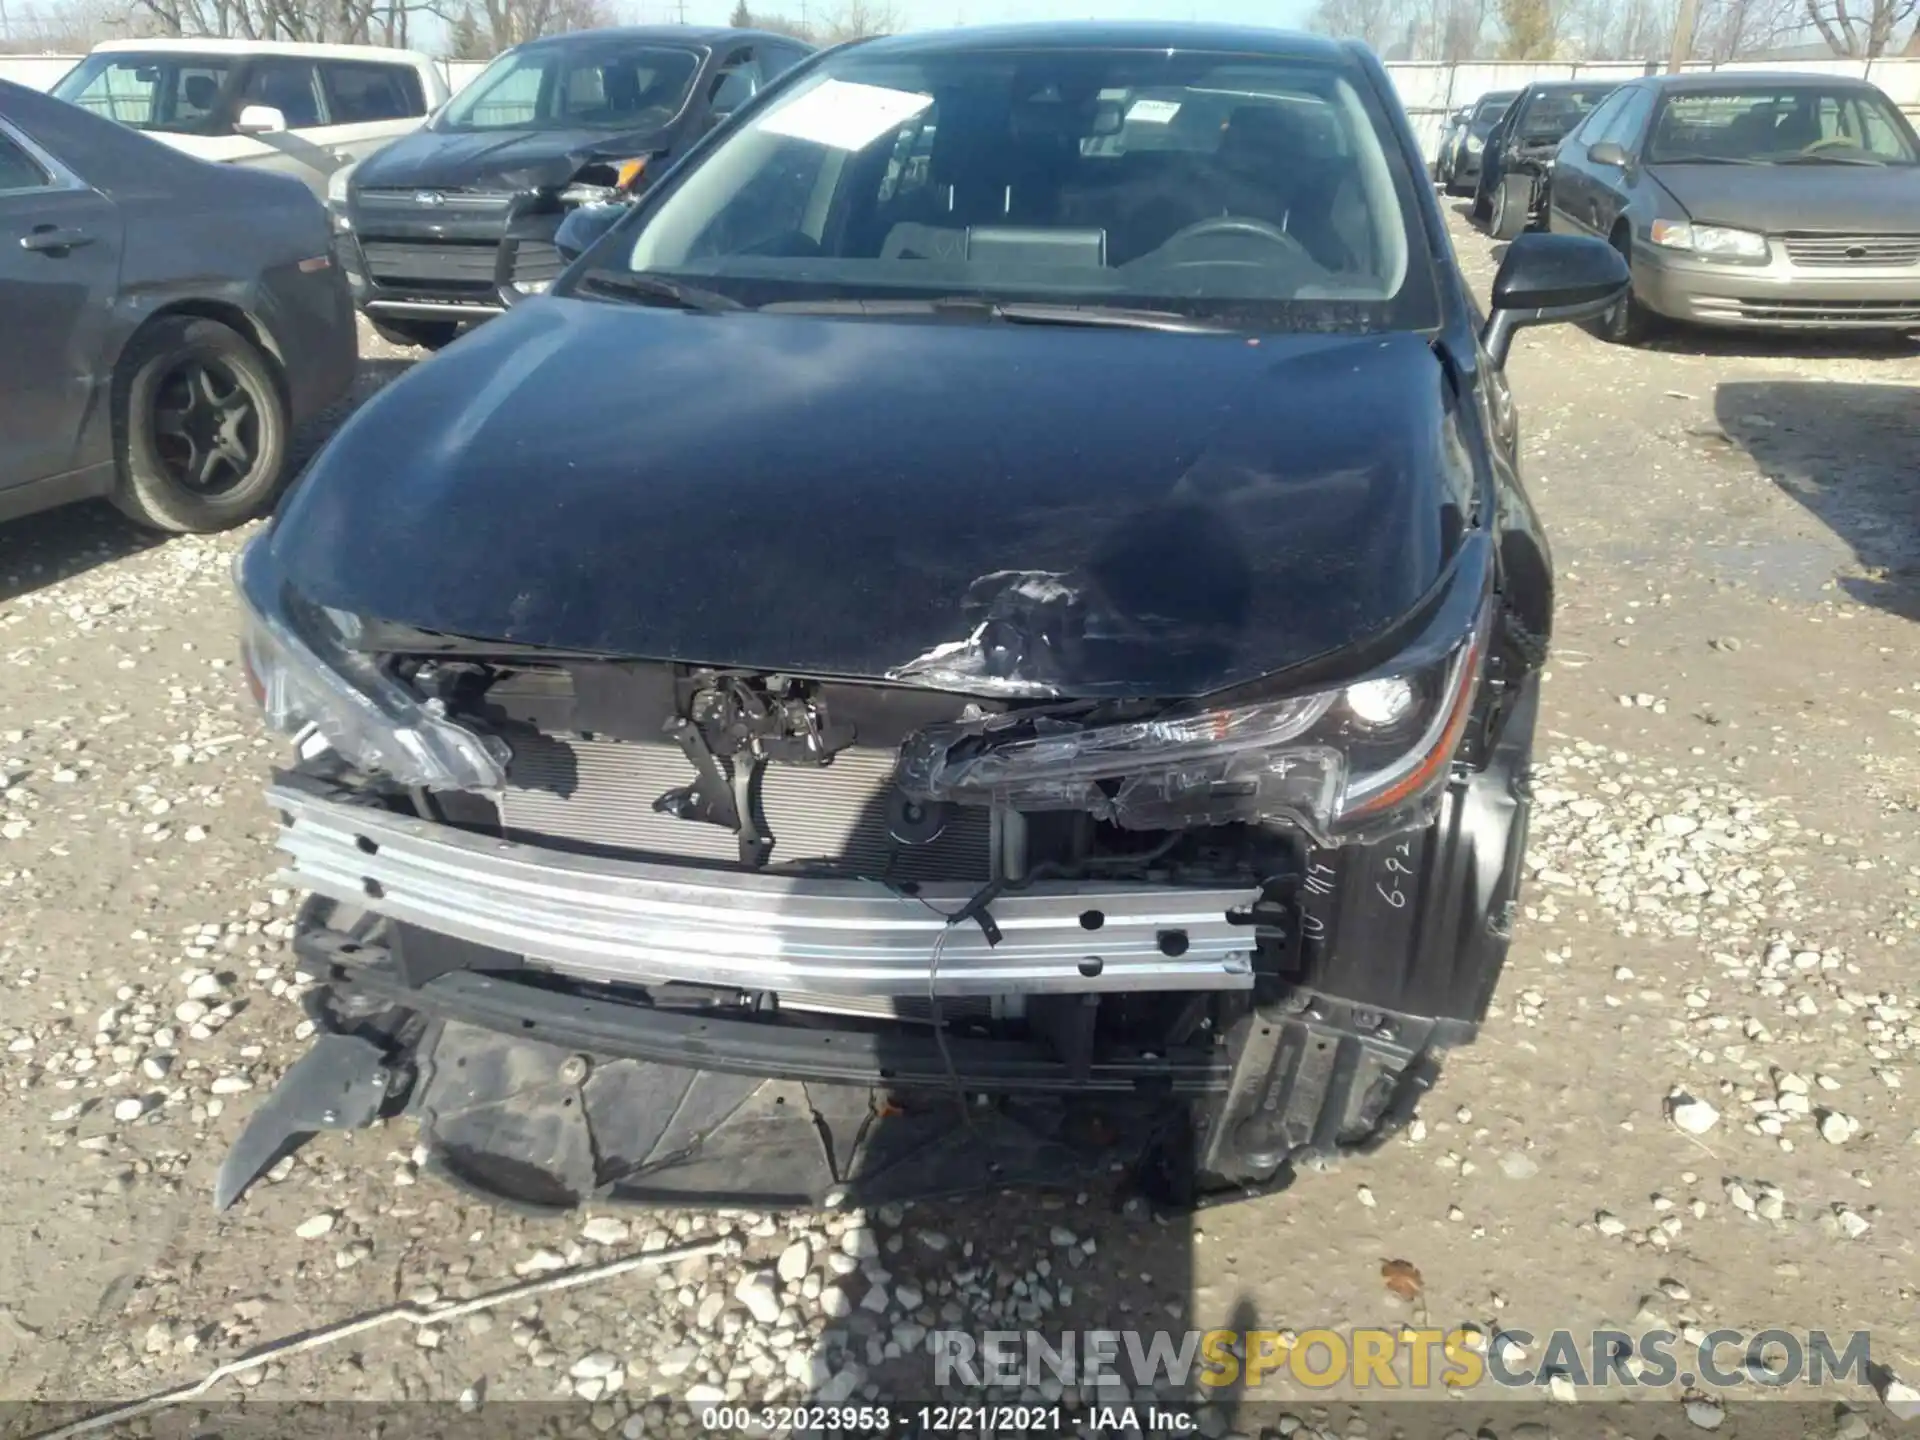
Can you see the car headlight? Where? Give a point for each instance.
(1715, 241)
(604, 180)
(337, 184)
(313, 685)
(1473, 144)
(1345, 763)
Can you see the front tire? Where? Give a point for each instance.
(421, 334)
(1629, 322)
(201, 427)
(1511, 204)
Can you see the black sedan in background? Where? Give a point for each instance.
(1458, 168)
(455, 222)
(1764, 201)
(164, 322)
(1516, 170)
(988, 630)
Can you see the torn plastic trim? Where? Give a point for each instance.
(310, 680)
(1339, 770)
(613, 921)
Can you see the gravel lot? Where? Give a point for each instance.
(1689, 1106)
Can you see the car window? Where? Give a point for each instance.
(1551, 114)
(19, 170)
(611, 85)
(734, 85)
(1624, 127)
(778, 59)
(358, 93)
(290, 86)
(1592, 130)
(1781, 125)
(180, 93)
(1167, 179)
(1487, 113)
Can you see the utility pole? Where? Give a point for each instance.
(1683, 35)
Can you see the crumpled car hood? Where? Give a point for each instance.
(989, 507)
(495, 159)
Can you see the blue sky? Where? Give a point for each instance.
(923, 14)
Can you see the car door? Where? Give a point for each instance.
(1571, 202)
(1491, 166)
(1612, 186)
(289, 87)
(369, 106)
(59, 271)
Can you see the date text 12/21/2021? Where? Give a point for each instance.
(943, 1419)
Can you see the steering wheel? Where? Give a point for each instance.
(1238, 226)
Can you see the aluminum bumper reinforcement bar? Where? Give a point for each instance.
(623, 920)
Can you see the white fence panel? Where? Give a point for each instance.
(36, 72)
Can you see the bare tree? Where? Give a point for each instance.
(857, 19)
(364, 22)
(1741, 29)
(1377, 23)
(1529, 29)
(63, 29)
(1461, 31)
(1863, 29)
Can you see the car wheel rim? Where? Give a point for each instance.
(1500, 209)
(206, 425)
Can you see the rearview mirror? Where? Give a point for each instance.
(583, 227)
(260, 120)
(1546, 279)
(1606, 152)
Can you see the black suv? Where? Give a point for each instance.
(988, 630)
(455, 222)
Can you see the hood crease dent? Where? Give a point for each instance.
(990, 509)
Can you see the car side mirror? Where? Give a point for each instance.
(583, 227)
(260, 120)
(1546, 279)
(1606, 152)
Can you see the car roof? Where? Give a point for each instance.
(1568, 87)
(261, 47)
(702, 36)
(1117, 35)
(1730, 79)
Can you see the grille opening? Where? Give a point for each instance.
(829, 819)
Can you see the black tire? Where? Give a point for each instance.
(201, 427)
(1481, 208)
(425, 334)
(1511, 206)
(1628, 322)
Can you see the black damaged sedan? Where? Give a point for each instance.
(986, 633)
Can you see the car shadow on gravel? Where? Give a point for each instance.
(1850, 454)
(1678, 339)
(46, 548)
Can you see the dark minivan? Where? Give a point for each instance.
(455, 222)
(988, 629)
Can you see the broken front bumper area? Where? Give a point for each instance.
(559, 1040)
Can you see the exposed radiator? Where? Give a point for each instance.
(601, 793)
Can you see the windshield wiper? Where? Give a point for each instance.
(1804, 159)
(1015, 312)
(655, 290)
(1706, 160)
